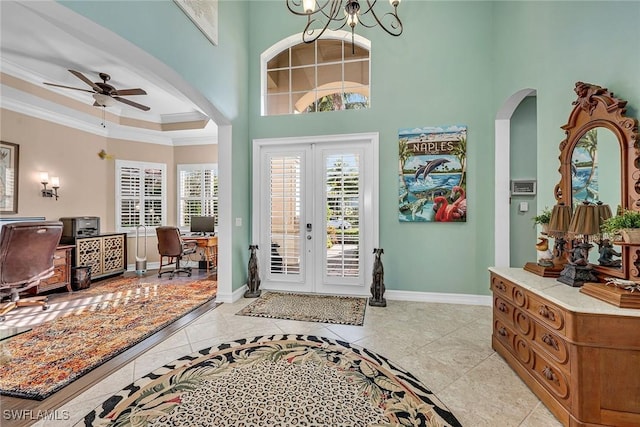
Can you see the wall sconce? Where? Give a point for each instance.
(55, 184)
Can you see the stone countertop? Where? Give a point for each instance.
(565, 296)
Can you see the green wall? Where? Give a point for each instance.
(456, 63)
(437, 73)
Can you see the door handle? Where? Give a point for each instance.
(308, 237)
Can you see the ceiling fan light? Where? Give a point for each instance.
(104, 100)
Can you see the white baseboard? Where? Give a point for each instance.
(232, 297)
(437, 297)
(465, 299)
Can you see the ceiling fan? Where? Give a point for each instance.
(104, 93)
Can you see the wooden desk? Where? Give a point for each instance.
(209, 244)
(61, 273)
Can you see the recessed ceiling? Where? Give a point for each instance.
(37, 48)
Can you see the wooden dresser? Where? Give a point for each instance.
(579, 355)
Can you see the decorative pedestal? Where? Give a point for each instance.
(535, 268)
(576, 275)
(613, 295)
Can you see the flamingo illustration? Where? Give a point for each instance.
(443, 209)
(446, 212)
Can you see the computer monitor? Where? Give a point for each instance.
(203, 224)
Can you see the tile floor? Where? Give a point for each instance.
(446, 346)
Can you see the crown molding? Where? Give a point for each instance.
(30, 105)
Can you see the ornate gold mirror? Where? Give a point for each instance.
(599, 162)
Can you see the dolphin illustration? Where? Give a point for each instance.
(428, 167)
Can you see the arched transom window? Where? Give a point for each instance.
(326, 75)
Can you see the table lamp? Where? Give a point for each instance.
(558, 226)
(585, 224)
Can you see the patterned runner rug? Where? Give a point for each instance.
(112, 319)
(309, 308)
(278, 380)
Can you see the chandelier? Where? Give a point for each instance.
(337, 14)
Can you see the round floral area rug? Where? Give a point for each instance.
(278, 380)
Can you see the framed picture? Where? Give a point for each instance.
(432, 177)
(523, 187)
(9, 161)
(204, 14)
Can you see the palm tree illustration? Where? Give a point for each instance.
(404, 154)
(460, 152)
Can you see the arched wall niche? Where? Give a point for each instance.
(502, 248)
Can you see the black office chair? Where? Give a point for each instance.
(27, 250)
(171, 246)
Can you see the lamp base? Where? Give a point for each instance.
(535, 268)
(576, 275)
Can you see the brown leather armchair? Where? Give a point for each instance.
(27, 250)
(172, 247)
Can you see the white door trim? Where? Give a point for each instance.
(371, 201)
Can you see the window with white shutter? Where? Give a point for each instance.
(141, 189)
(197, 192)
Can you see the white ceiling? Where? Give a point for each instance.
(37, 47)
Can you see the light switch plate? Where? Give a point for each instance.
(524, 206)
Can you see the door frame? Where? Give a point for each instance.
(371, 202)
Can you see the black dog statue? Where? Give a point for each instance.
(253, 281)
(377, 284)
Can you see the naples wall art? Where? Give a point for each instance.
(432, 174)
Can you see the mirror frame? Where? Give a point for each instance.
(598, 107)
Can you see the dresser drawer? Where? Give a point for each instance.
(501, 286)
(504, 334)
(503, 308)
(552, 378)
(60, 258)
(515, 343)
(547, 313)
(552, 344)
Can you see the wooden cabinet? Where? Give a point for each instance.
(106, 254)
(61, 273)
(579, 355)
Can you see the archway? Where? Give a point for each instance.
(502, 176)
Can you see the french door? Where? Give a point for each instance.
(315, 213)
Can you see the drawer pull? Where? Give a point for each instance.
(550, 375)
(501, 287)
(550, 341)
(503, 307)
(546, 313)
(503, 332)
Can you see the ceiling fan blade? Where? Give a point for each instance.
(69, 87)
(86, 80)
(133, 104)
(125, 92)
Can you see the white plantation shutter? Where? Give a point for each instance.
(285, 203)
(197, 192)
(343, 198)
(140, 194)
